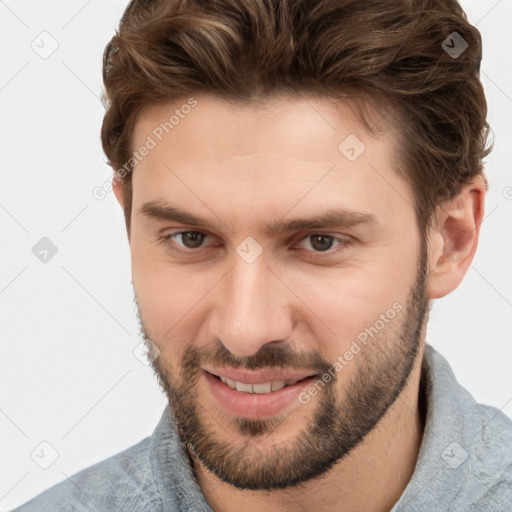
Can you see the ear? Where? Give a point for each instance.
(123, 192)
(118, 188)
(454, 238)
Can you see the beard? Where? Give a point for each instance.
(335, 424)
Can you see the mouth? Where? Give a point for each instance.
(260, 388)
(259, 400)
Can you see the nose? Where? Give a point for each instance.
(252, 308)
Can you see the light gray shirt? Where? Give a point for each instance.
(464, 463)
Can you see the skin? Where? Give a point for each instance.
(295, 305)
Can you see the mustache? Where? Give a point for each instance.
(277, 355)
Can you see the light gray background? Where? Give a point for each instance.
(68, 373)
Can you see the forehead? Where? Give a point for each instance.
(266, 158)
(302, 127)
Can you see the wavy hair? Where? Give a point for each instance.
(387, 54)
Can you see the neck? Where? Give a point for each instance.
(382, 463)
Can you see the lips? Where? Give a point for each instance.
(259, 376)
(253, 405)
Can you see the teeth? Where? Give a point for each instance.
(276, 386)
(246, 388)
(229, 382)
(260, 389)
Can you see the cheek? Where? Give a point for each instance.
(351, 299)
(349, 305)
(171, 299)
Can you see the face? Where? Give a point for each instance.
(274, 246)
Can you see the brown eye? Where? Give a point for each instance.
(189, 239)
(192, 239)
(321, 242)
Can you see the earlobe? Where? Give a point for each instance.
(453, 243)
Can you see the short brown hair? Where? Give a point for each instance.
(385, 53)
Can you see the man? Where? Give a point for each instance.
(299, 181)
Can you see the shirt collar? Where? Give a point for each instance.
(451, 462)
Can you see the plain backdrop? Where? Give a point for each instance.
(69, 372)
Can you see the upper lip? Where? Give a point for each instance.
(258, 376)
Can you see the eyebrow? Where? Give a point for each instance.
(158, 210)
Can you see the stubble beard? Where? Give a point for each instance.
(335, 425)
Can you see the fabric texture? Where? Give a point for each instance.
(464, 463)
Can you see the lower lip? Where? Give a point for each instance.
(253, 405)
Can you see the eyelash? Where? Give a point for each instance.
(344, 241)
